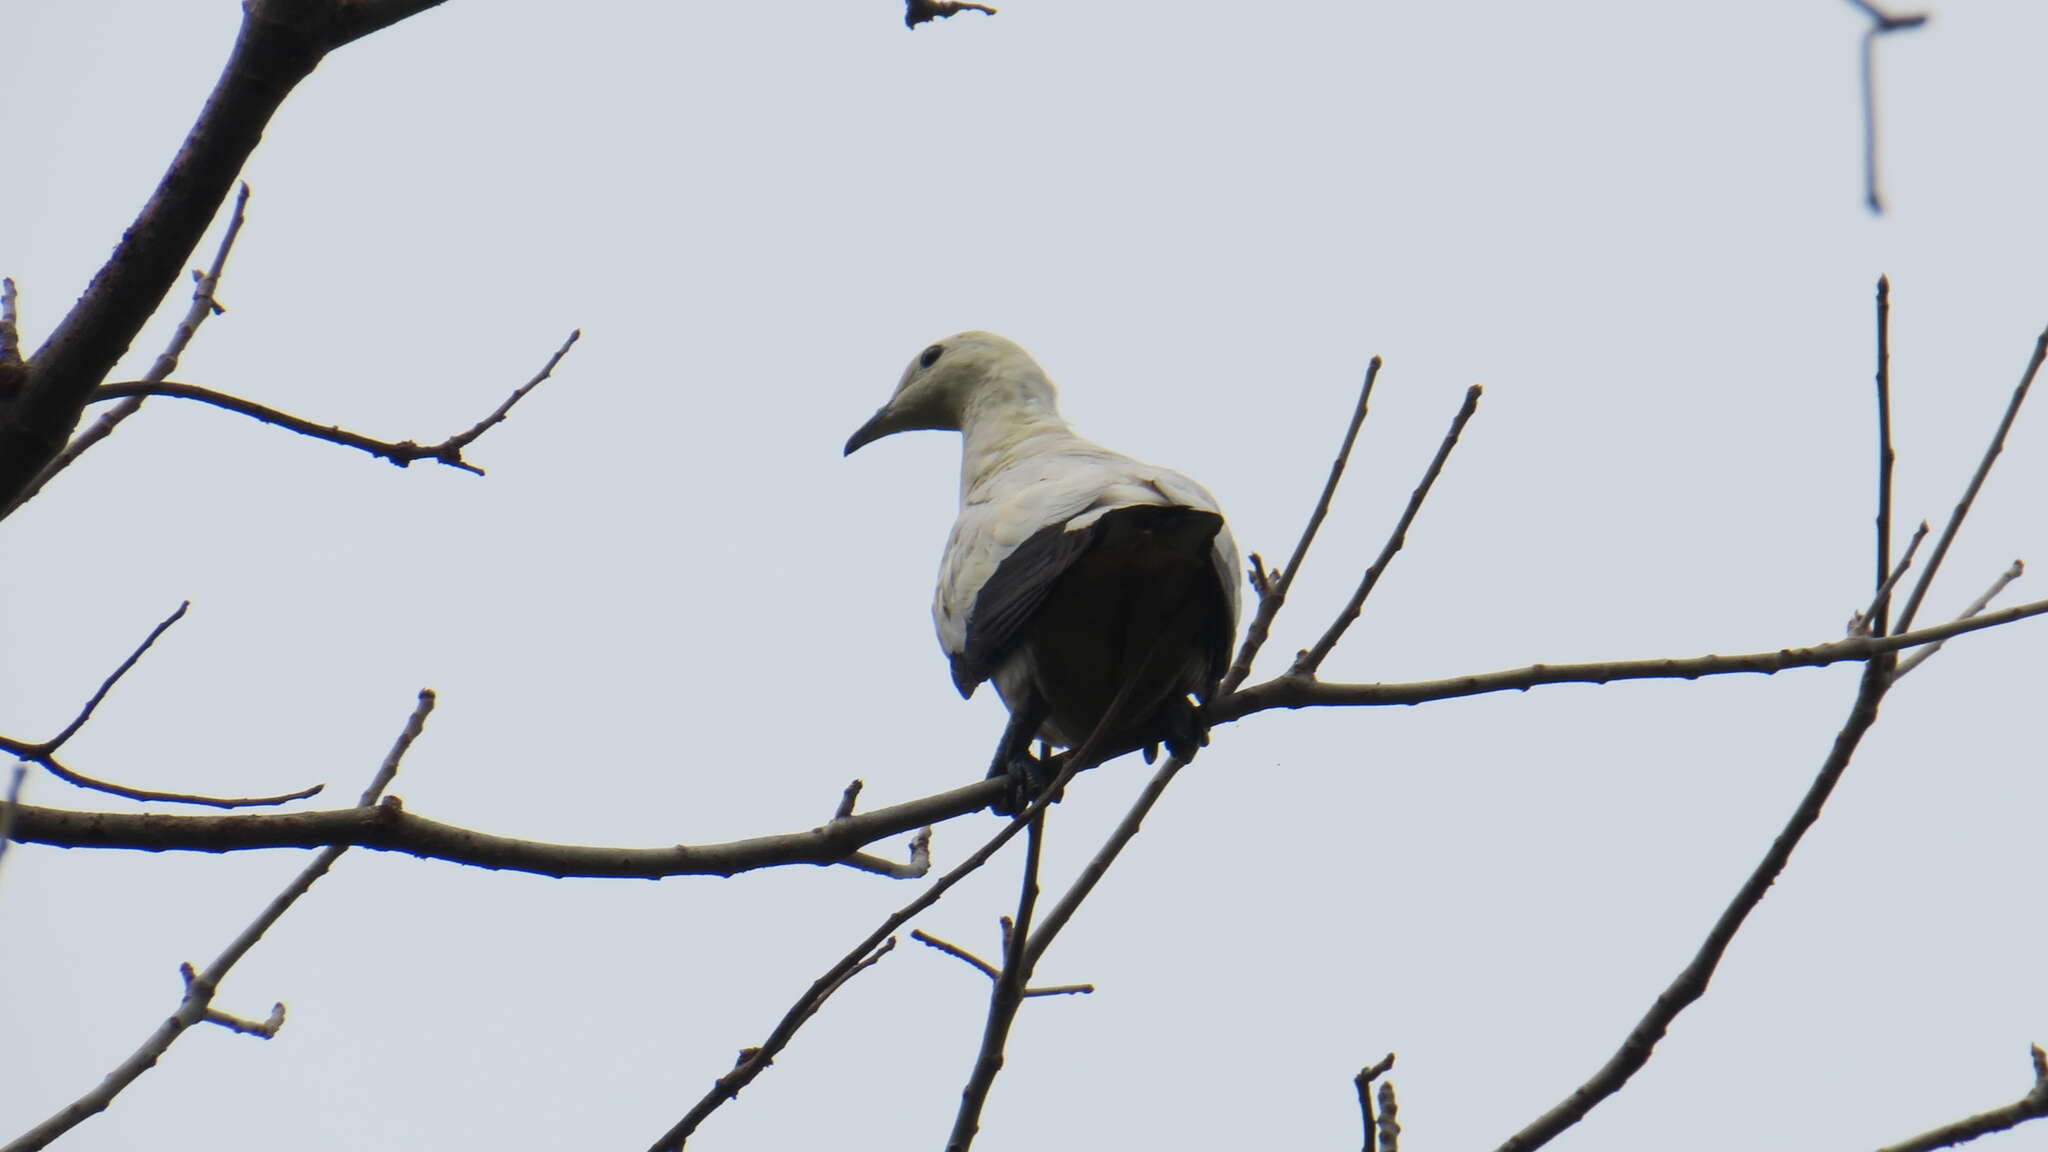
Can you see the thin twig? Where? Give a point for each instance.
(1880, 610)
(196, 1006)
(57, 768)
(916, 868)
(1363, 1082)
(847, 800)
(401, 453)
(1308, 662)
(958, 953)
(1955, 520)
(1691, 982)
(1919, 657)
(107, 685)
(729, 1085)
(1881, 23)
(1272, 592)
(1006, 993)
(2032, 1106)
(44, 752)
(204, 304)
(1870, 621)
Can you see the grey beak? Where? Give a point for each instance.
(877, 427)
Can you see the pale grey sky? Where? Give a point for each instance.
(672, 612)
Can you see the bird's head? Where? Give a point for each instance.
(952, 379)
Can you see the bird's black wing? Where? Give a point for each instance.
(1006, 603)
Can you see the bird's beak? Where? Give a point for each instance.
(879, 425)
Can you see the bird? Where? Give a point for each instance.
(1088, 586)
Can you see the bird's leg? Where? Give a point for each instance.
(1013, 758)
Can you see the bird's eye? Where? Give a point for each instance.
(931, 355)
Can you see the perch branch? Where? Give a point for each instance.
(388, 827)
(196, 1006)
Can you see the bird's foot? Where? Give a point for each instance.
(1027, 777)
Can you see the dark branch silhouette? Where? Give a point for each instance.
(401, 452)
(196, 1007)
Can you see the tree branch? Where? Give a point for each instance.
(279, 44)
(197, 1004)
(401, 453)
(1691, 982)
(1273, 592)
(387, 827)
(1955, 520)
(1881, 23)
(1311, 660)
(917, 12)
(2032, 1106)
(204, 303)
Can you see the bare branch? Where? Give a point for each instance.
(1290, 691)
(1363, 1082)
(1869, 621)
(1273, 592)
(2012, 573)
(1006, 994)
(401, 453)
(204, 303)
(197, 1004)
(2032, 1106)
(84, 714)
(15, 776)
(45, 752)
(916, 868)
(756, 1060)
(917, 12)
(954, 950)
(1881, 23)
(1691, 982)
(1880, 610)
(388, 827)
(56, 768)
(1308, 662)
(279, 44)
(1955, 520)
(847, 800)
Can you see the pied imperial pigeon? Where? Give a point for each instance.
(1075, 577)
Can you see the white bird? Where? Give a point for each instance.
(1073, 573)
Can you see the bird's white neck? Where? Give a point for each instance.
(1005, 419)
